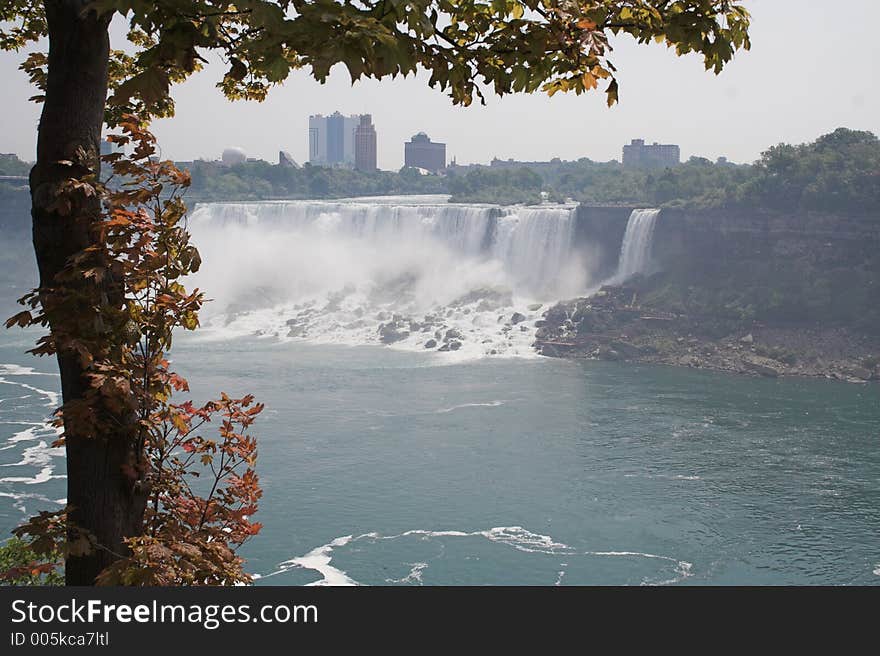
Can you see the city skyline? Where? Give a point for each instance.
(756, 102)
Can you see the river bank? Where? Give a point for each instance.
(614, 325)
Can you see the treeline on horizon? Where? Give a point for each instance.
(838, 172)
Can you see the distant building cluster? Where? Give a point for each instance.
(344, 141)
(639, 155)
(350, 142)
(422, 153)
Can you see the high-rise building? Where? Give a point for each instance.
(638, 154)
(365, 144)
(420, 152)
(331, 139)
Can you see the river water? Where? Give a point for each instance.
(403, 465)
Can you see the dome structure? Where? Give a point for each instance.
(233, 156)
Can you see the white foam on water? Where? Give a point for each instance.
(38, 455)
(877, 569)
(560, 574)
(18, 370)
(414, 576)
(491, 404)
(52, 398)
(45, 474)
(517, 537)
(41, 455)
(682, 567)
(318, 560)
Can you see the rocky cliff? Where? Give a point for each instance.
(739, 290)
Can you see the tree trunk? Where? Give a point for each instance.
(100, 496)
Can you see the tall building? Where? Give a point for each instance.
(331, 139)
(638, 154)
(421, 152)
(365, 144)
(317, 139)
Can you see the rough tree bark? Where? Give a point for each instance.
(101, 497)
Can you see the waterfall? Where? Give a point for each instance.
(340, 271)
(635, 252)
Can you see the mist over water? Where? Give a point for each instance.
(336, 272)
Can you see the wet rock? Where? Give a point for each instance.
(431, 343)
(450, 346)
(389, 333)
(761, 366)
(517, 317)
(625, 349)
(606, 353)
(557, 314)
(855, 371)
(451, 334)
(550, 351)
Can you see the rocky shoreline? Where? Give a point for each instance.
(613, 325)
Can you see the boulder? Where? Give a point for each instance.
(450, 346)
(859, 372)
(390, 333)
(431, 343)
(761, 366)
(626, 350)
(606, 353)
(557, 314)
(517, 317)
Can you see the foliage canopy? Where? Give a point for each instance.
(467, 45)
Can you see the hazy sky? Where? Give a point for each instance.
(813, 67)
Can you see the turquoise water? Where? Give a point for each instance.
(383, 466)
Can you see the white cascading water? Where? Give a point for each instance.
(402, 271)
(635, 252)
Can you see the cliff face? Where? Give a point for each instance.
(752, 265)
(706, 241)
(749, 292)
(705, 238)
(599, 233)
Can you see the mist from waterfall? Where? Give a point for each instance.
(635, 251)
(398, 270)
